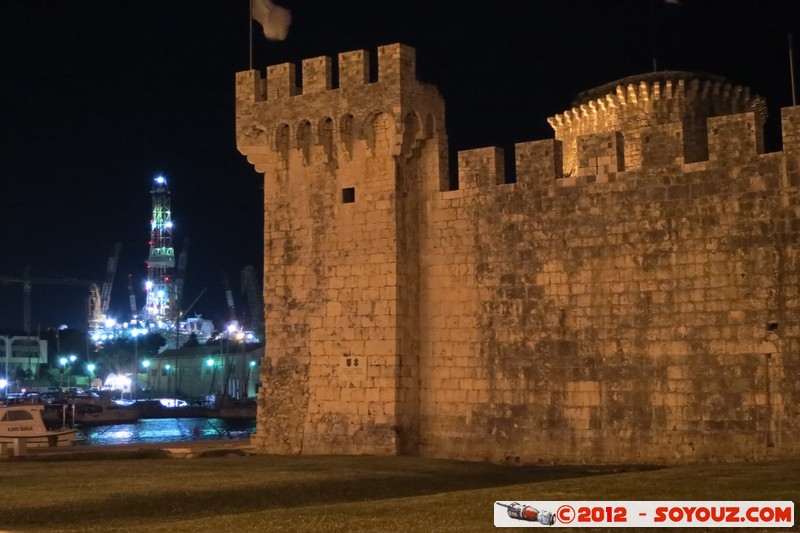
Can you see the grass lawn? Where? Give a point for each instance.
(266, 493)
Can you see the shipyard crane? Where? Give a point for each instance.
(229, 298)
(99, 298)
(27, 282)
(105, 293)
(132, 299)
(181, 273)
(182, 314)
(255, 299)
(186, 311)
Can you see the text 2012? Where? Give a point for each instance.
(593, 515)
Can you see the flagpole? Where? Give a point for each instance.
(250, 20)
(653, 33)
(791, 71)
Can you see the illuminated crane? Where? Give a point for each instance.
(111, 270)
(132, 300)
(229, 300)
(251, 288)
(160, 307)
(181, 275)
(27, 282)
(100, 299)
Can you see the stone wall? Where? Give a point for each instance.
(633, 297)
(637, 316)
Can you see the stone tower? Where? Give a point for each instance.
(626, 109)
(343, 169)
(631, 297)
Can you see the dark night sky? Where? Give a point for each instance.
(97, 97)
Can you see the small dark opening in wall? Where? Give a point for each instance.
(510, 165)
(298, 79)
(772, 326)
(372, 61)
(335, 72)
(452, 171)
(348, 195)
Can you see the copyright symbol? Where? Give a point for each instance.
(565, 514)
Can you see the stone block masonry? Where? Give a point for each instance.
(632, 297)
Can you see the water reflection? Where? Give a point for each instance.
(167, 430)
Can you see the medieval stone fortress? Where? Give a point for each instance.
(629, 292)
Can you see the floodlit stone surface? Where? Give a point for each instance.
(632, 297)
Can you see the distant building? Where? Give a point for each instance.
(194, 374)
(21, 355)
(198, 326)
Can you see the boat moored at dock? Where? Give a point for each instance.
(90, 410)
(25, 421)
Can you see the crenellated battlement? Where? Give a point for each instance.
(631, 104)
(396, 64)
(657, 99)
(279, 117)
(641, 122)
(602, 156)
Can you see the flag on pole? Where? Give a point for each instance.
(273, 18)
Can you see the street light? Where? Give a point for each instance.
(250, 366)
(167, 367)
(63, 362)
(72, 359)
(90, 367)
(135, 332)
(210, 364)
(146, 365)
(6, 372)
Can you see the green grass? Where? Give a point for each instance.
(266, 493)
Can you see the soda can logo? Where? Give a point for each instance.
(645, 514)
(528, 513)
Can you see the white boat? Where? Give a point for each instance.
(96, 411)
(25, 421)
(90, 410)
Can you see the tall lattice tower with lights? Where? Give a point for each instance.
(161, 292)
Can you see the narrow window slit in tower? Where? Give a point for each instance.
(348, 195)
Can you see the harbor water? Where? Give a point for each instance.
(150, 430)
